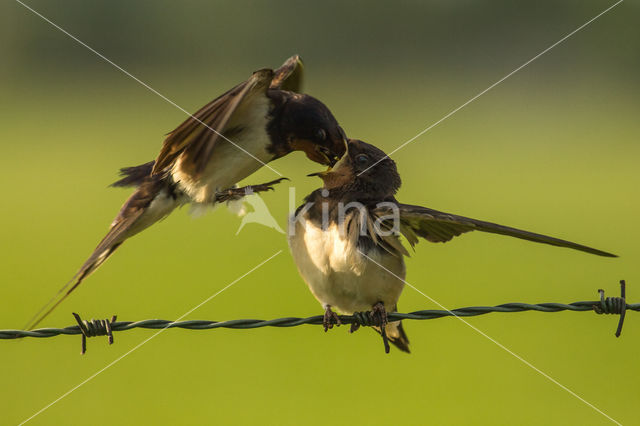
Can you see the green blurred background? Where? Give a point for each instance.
(553, 149)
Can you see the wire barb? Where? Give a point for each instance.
(375, 318)
(613, 305)
(364, 319)
(95, 328)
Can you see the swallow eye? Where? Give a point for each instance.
(362, 159)
(320, 135)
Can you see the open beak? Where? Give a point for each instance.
(330, 158)
(319, 174)
(336, 164)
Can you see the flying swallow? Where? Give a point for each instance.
(257, 121)
(345, 238)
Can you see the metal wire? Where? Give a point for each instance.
(94, 328)
(611, 305)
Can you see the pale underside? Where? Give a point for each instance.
(228, 163)
(339, 275)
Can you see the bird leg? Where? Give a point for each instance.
(233, 194)
(330, 318)
(378, 316)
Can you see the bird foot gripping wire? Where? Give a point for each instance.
(94, 328)
(613, 305)
(376, 317)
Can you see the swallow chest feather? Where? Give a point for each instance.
(339, 275)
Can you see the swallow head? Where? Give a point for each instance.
(363, 168)
(309, 126)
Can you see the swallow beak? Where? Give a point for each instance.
(336, 164)
(328, 155)
(346, 150)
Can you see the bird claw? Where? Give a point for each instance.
(264, 186)
(378, 315)
(233, 194)
(330, 318)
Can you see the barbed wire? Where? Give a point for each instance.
(608, 305)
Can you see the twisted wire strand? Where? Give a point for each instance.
(599, 306)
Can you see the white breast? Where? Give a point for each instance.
(338, 275)
(229, 164)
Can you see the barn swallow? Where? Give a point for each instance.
(257, 121)
(345, 238)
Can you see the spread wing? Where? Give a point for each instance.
(195, 138)
(437, 226)
(289, 76)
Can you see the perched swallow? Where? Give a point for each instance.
(227, 140)
(347, 233)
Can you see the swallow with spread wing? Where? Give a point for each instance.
(345, 238)
(257, 121)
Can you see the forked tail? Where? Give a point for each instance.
(152, 201)
(96, 259)
(396, 335)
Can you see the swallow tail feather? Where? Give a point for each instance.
(396, 335)
(151, 202)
